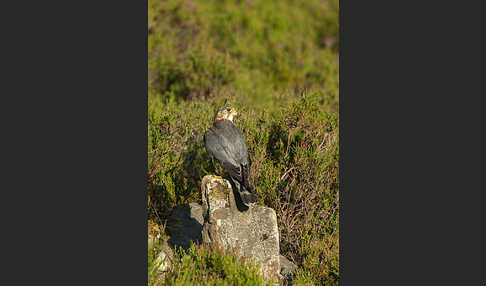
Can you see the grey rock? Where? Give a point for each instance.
(252, 233)
(165, 258)
(184, 225)
(287, 270)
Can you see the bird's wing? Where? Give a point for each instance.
(235, 145)
(235, 171)
(216, 147)
(233, 141)
(225, 143)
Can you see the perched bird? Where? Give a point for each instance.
(225, 143)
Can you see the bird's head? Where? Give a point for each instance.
(226, 113)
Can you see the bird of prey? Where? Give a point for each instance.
(225, 143)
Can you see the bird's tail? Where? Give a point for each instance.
(247, 197)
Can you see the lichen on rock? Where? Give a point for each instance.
(252, 233)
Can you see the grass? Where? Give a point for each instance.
(277, 63)
(204, 266)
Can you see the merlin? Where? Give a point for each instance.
(225, 143)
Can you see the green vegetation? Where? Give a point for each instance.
(203, 266)
(277, 63)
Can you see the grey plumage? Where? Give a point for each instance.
(225, 143)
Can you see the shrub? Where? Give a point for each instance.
(276, 62)
(200, 265)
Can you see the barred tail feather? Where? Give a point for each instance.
(247, 197)
(245, 193)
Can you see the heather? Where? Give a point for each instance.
(276, 62)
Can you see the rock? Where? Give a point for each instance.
(165, 257)
(185, 224)
(287, 270)
(252, 233)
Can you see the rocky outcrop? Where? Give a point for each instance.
(165, 258)
(252, 233)
(185, 224)
(287, 270)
